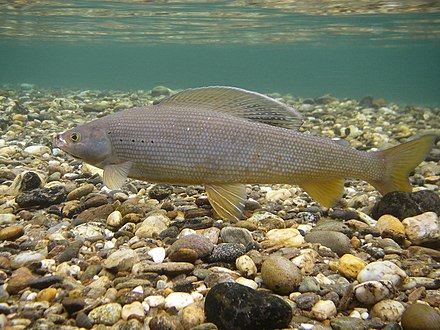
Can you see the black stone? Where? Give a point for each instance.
(45, 281)
(344, 214)
(226, 252)
(30, 181)
(403, 205)
(232, 306)
(73, 305)
(83, 321)
(160, 191)
(40, 198)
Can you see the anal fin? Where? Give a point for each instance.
(114, 175)
(326, 192)
(227, 200)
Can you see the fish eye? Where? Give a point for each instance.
(75, 137)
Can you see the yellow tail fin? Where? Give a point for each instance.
(400, 161)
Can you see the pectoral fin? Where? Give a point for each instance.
(114, 175)
(326, 193)
(227, 200)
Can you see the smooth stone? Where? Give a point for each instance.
(45, 281)
(246, 266)
(226, 252)
(201, 245)
(348, 323)
(403, 204)
(332, 225)
(335, 241)
(11, 232)
(7, 218)
(71, 251)
(420, 316)
(192, 316)
(47, 294)
(306, 301)
(178, 300)
(114, 219)
(234, 306)
(73, 305)
(19, 280)
(107, 314)
(83, 321)
(390, 226)
(152, 226)
(280, 194)
(280, 274)
(121, 260)
(96, 213)
(160, 91)
(80, 192)
(41, 198)
(26, 258)
(247, 282)
(324, 309)
(157, 254)
(423, 229)
(289, 237)
(236, 235)
(350, 265)
(382, 271)
(133, 310)
(371, 292)
(38, 150)
(388, 310)
(155, 301)
(89, 231)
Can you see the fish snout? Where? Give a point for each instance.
(58, 141)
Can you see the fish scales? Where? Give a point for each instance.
(224, 137)
(198, 146)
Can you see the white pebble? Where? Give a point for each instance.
(324, 309)
(422, 228)
(371, 292)
(178, 300)
(157, 254)
(388, 310)
(38, 150)
(246, 266)
(187, 232)
(133, 310)
(154, 301)
(197, 296)
(247, 282)
(139, 289)
(382, 270)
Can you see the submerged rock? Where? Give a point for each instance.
(232, 306)
(39, 198)
(403, 205)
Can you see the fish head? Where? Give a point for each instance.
(89, 143)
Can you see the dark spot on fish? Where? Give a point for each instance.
(120, 140)
(143, 141)
(132, 140)
(109, 132)
(152, 141)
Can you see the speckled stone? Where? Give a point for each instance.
(423, 229)
(280, 274)
(388, 310)
(236, 307)
(107, 314)
(227, 252)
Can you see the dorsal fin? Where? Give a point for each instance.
(238, 102)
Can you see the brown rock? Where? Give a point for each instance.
(201, 245)
(47, 294)
(184, 254)
(80, 192)
(19, 280)
(11, 232)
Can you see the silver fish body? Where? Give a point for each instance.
(199, 137)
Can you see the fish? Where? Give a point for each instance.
(226, 137)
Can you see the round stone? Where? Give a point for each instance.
(335, 241)
(246, 266)
(287, 237)
(390, 226)
(388, 310)
(280, 274)
(236, 235)
(371, 292)
(107, 314)
(350, 265)
(11, 232)
(114, 219)
(382, 270)
(324, 309)
(420, 316)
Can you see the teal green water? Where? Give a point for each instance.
(390, 56)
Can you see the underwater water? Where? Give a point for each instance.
(348, 49)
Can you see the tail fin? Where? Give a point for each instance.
(400, 161)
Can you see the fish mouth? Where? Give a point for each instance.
(59, 141)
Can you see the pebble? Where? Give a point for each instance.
(19, 280)
(7, 218)
(235, 306)
(337, 242)
(37, 150)
(226, 252)
(197, 243)
(246, 266)
(287, 237)
(121, 260)
(192, 316)
(107, 314)
(134, 310)
(114, 219)
(423, 229)
(350, 265)
(324, 309)
(80, 192)
(47, 294)
(348, 323)
(236, 235)
(26, 258)
(178, 300)
(11, 232)
(157, 254)
(280, 274)
(382, 270)
(168, 268)
(420, 316)
(40, 198)
(388, 310)
(390, 226)
(371, 292)
(152, 226)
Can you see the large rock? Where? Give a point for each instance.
(40, 198)
(233, 306)
(403, 205)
